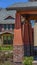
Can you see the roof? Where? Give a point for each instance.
(25, 5)
(9, 17)
(7, 22)
(4, 14)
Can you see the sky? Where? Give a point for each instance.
(6, 3)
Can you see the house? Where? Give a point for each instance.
(24, 16)
(7, 21)
(25, 31)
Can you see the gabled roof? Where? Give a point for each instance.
(9, 17)
(4, 14)
(25, 5)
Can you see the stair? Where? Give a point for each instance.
(34, 63)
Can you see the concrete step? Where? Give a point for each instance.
(34, 63)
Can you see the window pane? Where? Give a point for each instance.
(9, 38)
(5, 26)
(12, 26)
(5, 38)
(32, 23)
(8, 26)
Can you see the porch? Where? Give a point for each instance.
(26, 25)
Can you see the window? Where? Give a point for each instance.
(8, 26)
(7, 39)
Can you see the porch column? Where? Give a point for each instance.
(35, 35)
(31, 39)
(26, 39)
(18, 51)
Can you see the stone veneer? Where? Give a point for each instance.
(17, 63)
(18, 53)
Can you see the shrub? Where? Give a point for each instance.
(27, 60)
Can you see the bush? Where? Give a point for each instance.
(28, 60)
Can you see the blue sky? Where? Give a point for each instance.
(6, 3)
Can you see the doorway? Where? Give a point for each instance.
(30, 38)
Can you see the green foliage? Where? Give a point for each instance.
(28, 60)
(9, 47)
